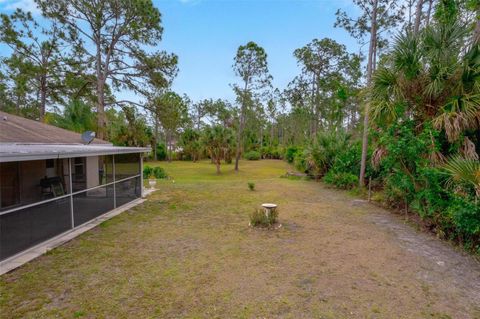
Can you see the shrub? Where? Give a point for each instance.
(341, 180)
(258, 218)
(157, 172)
(271, 152)
(251, 186)
(161, 152)
(252, 156)
(321, 153)
(300, 162)
(348, 159)
(291, 152)
(147, 171)
(466, 217)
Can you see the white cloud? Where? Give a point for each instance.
(189, 2)
(25, 5)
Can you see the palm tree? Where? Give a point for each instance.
(217, 140)
(430, 76)
(321, 152)
(464, 173)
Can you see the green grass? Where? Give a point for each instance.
(187, 172)
(188, 252)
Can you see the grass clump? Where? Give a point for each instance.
(251, 186)
(258, 218)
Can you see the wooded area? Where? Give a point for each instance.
(402, 119)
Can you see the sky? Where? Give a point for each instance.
(205, 35)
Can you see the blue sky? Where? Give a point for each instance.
(205, 34)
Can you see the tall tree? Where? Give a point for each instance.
(38, 53)
(375, 17)
(190, 142)
(128, 127)
(252, 68)
(172, 110)
(207, 109)
(325, 68)
(113, 35)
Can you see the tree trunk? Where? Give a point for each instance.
(371, 51)
(101, 123)
(241, 126)
(155, 138)
(317, 108)
(476, 32)
(261, 136)
(272, 128)
(169, 147)
(429, 12)
(418, 16)
(43, 97)
(217, 164)
(239, 142)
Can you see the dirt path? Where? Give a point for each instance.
(445, 266)
(188, 253)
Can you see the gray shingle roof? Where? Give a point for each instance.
(16, 129)
(23, 139)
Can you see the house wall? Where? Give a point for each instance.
(92, 172)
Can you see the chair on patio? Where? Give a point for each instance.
(52, 187)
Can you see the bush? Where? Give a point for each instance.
(348, 159)
(291, 152)
(341, 180)
(322, 151)
(300, 162)
(159, 173)
(251, 186)
(271, 152)
(147, 171)
(258, 218)
(252, 156)
(161, 152)
(466, 217)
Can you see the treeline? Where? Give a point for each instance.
(72, 66)
(401, 119)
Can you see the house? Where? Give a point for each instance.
(51, 181)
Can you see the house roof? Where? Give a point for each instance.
(12, 152)
(16, 129)
(24, 140)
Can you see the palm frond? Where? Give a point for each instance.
(463, 171)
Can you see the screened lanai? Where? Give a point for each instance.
(50, 188)
(46, 190)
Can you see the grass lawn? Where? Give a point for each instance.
(188, 252)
